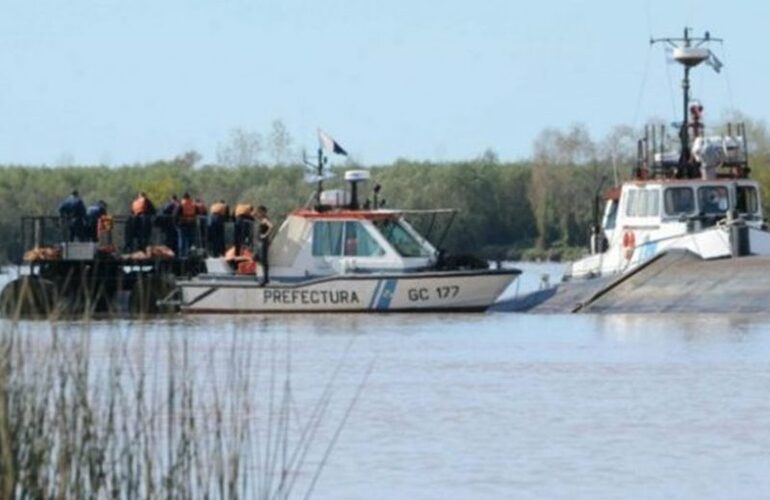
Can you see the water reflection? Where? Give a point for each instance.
(688, 327)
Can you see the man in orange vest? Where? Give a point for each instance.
(216, 228)
(186, 218)
(139, 225)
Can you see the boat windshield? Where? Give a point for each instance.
(713, 200)
(746, 199)
(679, 200)
(401, 239)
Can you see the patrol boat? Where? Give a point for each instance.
(698, 199)
(686, 234)
(341, 256)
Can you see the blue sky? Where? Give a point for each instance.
(116, 82)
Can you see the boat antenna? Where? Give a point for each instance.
(325, 143)
(689, 52)
(320, 186)
(316, 174)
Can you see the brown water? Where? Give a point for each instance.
(512, 406)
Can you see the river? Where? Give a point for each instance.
(512, 405)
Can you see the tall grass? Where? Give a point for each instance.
(152, 414)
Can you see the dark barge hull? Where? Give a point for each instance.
(673, 282)
(107, 287)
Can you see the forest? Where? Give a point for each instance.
(538, 208)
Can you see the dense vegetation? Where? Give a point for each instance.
(541, 207)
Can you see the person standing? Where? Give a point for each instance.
(73, 212)
(139, 227)
(201, 226)
(265, 232)
(93, 214)
(186, 218)
(168, 225)
(243, 227)
(216, 228)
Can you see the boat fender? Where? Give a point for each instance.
(629, 243)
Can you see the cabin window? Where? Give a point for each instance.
(404, 243)
(643, 203)
(679, 200)
(327, 238)
(350, 238)
(713, 200)
(746, 199)
(359, 243)
(611, 215)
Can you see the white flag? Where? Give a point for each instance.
(329, 144)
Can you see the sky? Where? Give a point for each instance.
(125, 81)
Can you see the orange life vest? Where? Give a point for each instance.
(244, 210)
(139, 206)
(104, 225)
(218, 208)
(187, 210)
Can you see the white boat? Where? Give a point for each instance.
(338, 256)
(699, 199)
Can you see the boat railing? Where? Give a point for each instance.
(53, 232)
(657, 157)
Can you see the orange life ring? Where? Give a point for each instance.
(629, 243)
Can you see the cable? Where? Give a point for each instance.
(670, 85)
(643, 85)
(729, 86)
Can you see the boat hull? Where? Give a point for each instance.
(708, 244)
(414, 292)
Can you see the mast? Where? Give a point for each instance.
(320, 174)
(689, 51)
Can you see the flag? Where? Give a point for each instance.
(329, 144)
(714, 62)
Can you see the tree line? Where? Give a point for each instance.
(541, 207)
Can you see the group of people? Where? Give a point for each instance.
(183, 221)
(82, 223)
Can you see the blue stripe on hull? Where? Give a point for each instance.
(383, 304)
(374, 295)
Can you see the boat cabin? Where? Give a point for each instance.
(312, 243)
(674, 207)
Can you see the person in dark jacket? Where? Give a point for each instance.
(73, 212)
(216, 228)
(93, 214)
(186, 218)
(139, 226)
(243, 228)
(265, 226)
(167, 223)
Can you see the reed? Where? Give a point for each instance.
(150, 414)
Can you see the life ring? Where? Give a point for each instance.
(629, 243)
